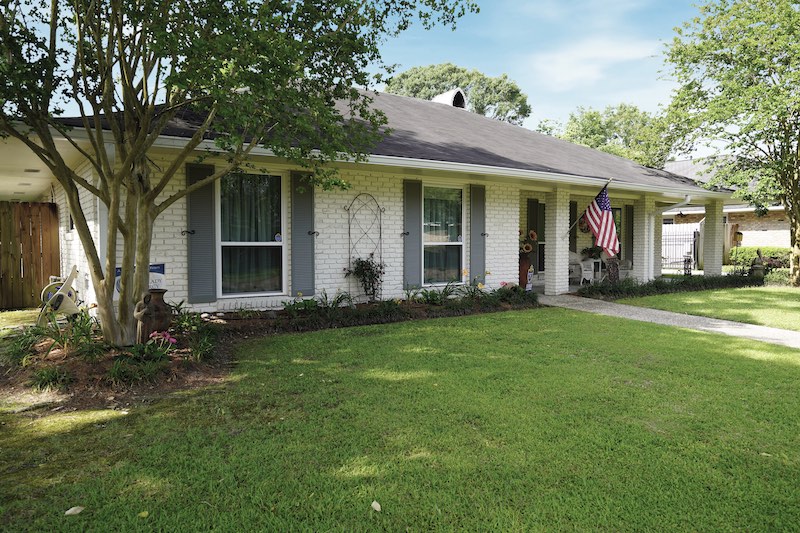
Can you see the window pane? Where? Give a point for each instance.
(442, 215)
(250, 207)
(442, 263)
(251, 269)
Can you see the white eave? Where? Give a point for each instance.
(672, 191)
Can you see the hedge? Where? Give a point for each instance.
(631, 288)
(744, 255)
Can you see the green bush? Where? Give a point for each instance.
(126, 370)
(75, 336)
(21, 346)
(630, 288)
(201, 343)
(744, 255)
(777, 276)
(50, 378)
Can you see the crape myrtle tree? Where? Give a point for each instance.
(251, 73)
(499, 98)
(738, 66)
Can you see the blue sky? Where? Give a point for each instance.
(563, 54)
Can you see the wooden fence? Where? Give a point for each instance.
(29, 252)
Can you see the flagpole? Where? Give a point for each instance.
(578, 218)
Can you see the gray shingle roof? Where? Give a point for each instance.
(424, 130)
(438, 132)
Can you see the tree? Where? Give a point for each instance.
(738, 66)
(499, 98)
(253, 73)
(550, 127)
(622, 130)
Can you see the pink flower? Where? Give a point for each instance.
(503, 283)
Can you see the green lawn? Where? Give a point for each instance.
(20, 317)
(543, 420)
(777, 307)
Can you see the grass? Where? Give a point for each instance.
(537, 420)
(20, 317)
(777, 307)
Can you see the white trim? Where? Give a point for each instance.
(283, 244)
(670, 191)
(435, 185)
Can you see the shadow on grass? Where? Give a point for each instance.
(547, 419)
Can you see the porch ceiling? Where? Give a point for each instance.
(23, 176)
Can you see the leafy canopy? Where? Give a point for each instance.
(622, 130)
(738, 66)
(499, 98)
(247, 74)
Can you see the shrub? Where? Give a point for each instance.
(777, 276)
(369, 274)
(21, 346)
(514, 294)
(774, 256)
(300, 306)
(126, 370)
(201, 343)
(50, 378)
(157, 347)
(630, 288)
(331, 308)
(76, 335)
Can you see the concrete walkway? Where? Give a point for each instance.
(715, 325)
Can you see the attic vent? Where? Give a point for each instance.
(454, 97)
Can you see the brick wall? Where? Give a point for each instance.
(333, 244)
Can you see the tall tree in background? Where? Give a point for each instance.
(499, 98)
(738, 65)
(250, 73)
(622, 130)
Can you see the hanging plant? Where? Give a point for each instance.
(369, 274)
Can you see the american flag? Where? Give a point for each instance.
(601, 222)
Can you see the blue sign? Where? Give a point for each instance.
(155, 268)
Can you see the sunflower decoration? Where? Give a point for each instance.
(527, 241)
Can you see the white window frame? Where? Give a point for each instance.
(448, 243)
(283, 244)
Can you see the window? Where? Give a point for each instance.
(251, 235)
(443, 247)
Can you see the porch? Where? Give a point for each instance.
(554, 243)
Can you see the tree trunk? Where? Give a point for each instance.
(794, 258)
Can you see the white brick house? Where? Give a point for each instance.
(453, 190)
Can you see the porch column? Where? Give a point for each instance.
(643, 238)
(657, 251)
(713, 239)
(556, 255)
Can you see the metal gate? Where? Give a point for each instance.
(29, 252)
(679, 241)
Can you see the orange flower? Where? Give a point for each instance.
(532, 235)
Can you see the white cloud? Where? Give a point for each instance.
(586, 12)
(587, 62)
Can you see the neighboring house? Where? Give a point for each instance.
(441, 199)
(772, 229)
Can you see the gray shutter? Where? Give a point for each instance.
(573, 227)
(412, 233)
(627, 233)
(477, 236)
(201, 237)
(303, 234)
